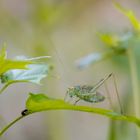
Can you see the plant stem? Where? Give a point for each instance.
(135, 84)
(9, 125)
(9, 83)
(112, 131)
(4, 87)
(54, 105)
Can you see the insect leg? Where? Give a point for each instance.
(119, 101)
(108, 95)
(77, 101)
(66, 95)
(67, 99)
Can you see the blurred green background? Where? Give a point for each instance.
(66, 30)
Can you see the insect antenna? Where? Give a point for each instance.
(64, 69)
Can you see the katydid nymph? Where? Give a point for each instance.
(90, 94)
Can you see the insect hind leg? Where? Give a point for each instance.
(117, 93)
(118, 97)
(108, 95)
(65, 97)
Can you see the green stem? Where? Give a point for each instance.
(9, 125)
(112, 131)
(135, 84)
(4, 87)
(9, 83)
(53, 105)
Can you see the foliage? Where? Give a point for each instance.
(8, 64)
(41, 102)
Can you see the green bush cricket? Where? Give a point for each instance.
(90, 94)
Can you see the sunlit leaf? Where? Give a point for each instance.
(109, 39)
(41, 102)
(8, 64)
(131, 16)
(33, 74)
(117, 42)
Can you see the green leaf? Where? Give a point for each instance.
(131, 16)
(34, 74)
(41, 102)
(118, 42)
(7, 64)
(109, 39)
